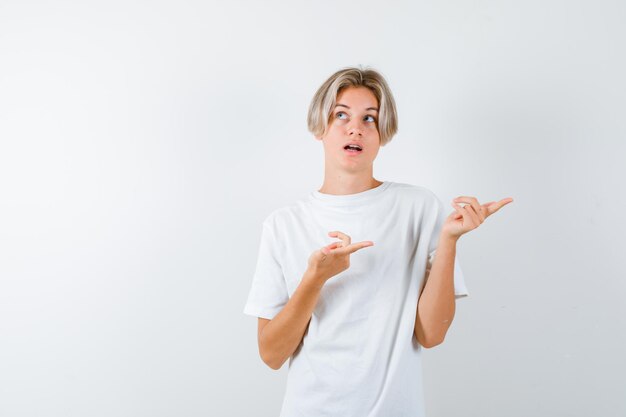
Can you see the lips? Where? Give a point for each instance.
(354, 147)
(352, 152)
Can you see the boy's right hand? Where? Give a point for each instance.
(330, 260)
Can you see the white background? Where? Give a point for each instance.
(142, 144)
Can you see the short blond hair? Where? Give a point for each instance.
(325, 99)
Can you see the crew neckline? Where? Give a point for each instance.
(345, 199)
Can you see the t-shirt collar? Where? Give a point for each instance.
(347, 199)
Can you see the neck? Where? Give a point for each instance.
(342, 183)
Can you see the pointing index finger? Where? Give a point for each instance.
(493, 207)
(356, 246)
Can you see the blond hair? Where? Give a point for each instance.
(325, 98)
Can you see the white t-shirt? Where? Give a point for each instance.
(359, 356)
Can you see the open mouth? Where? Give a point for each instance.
(353, 148)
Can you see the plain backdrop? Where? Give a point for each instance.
(143, 143)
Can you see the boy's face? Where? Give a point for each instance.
(353, 120)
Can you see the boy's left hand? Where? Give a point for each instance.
(470, 216)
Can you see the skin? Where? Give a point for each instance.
(345, 173)
(353, 120)
(437, 304)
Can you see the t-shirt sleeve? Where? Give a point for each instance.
(268, 293)
(460, 289)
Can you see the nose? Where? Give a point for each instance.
(355, 129)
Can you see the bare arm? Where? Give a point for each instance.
(281, 336)
(436, 306)
(437, 303)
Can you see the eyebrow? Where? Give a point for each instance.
(343, 105)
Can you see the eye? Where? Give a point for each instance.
(373, 118)
(338, 113)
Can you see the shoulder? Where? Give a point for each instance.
(417, 194)
(281, 216)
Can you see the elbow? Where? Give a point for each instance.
(268, 356)
(431, 343)
(432, 338)
(274, 365)
(270, 361)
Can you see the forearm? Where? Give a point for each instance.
(436, 306)
(283, 334)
